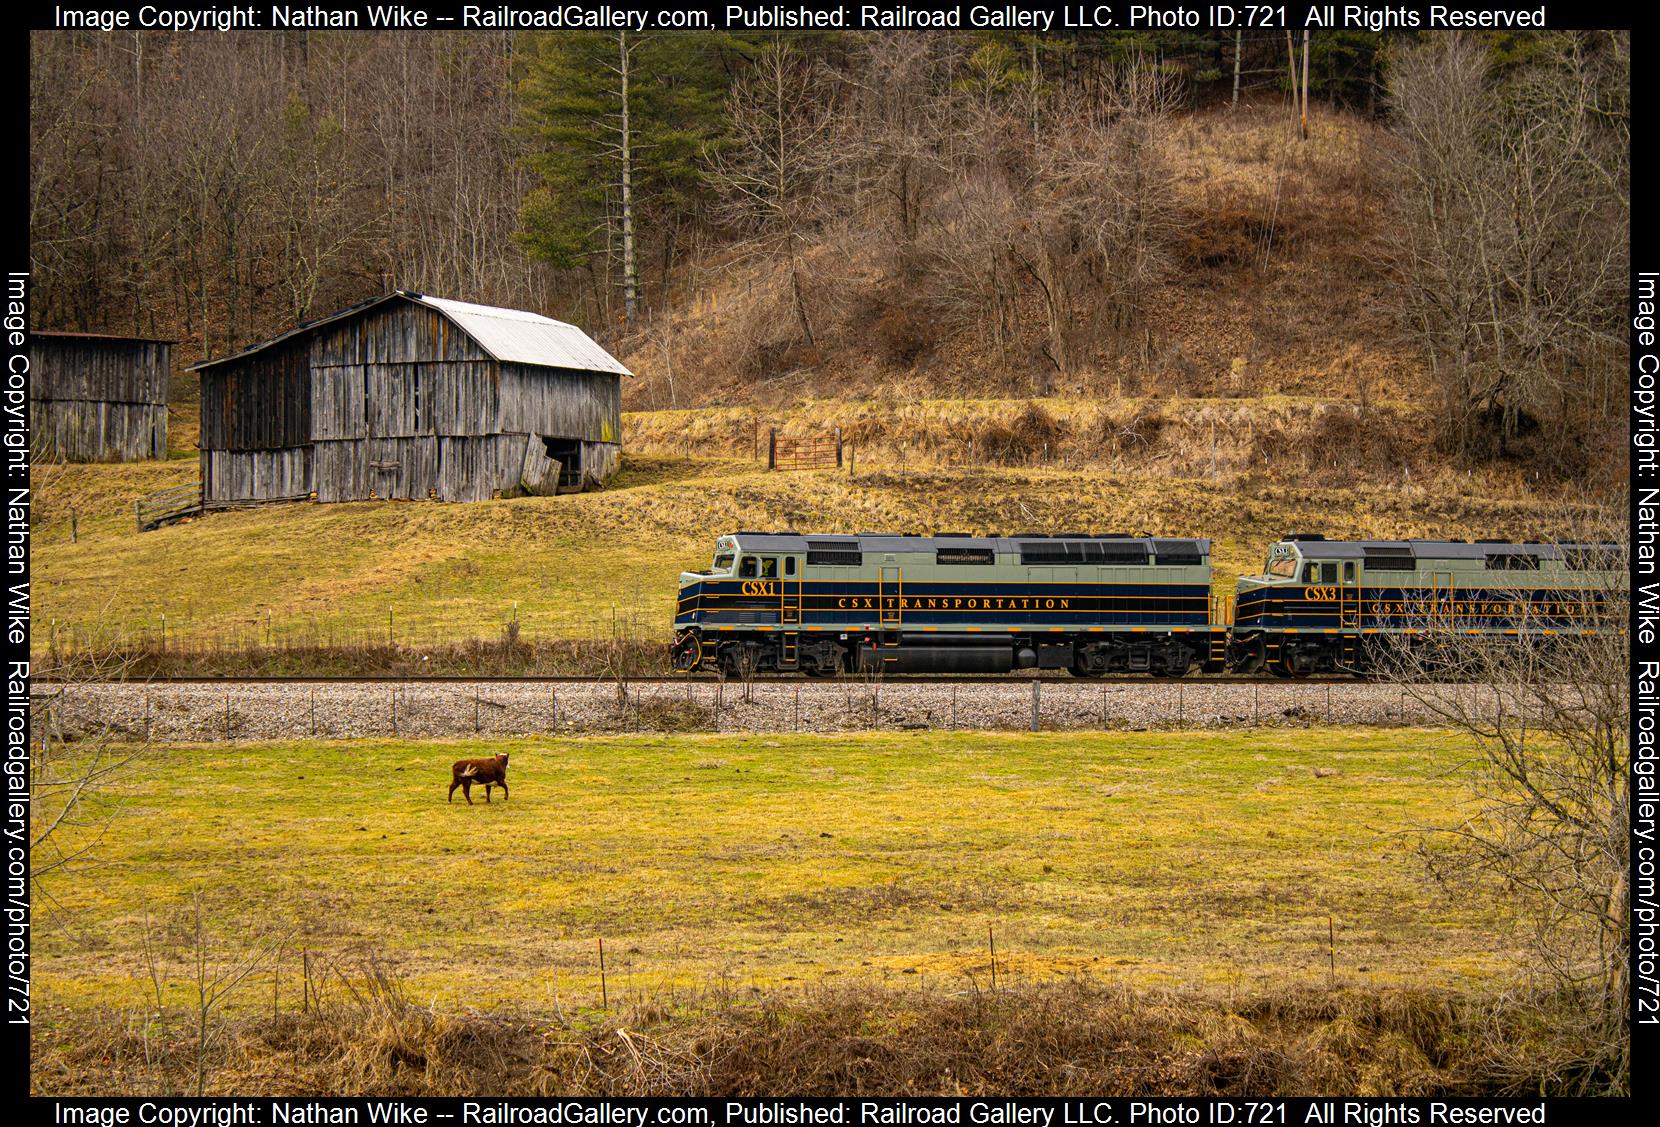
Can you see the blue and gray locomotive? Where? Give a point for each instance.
(1096, 604)
(1329, 606)
(822, 605)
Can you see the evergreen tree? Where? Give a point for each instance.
(614, 123)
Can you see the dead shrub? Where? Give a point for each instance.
(1034, 435)
(1137, 432)
(770, 359)
(1064, 1037)
(1354, 440)
(903, 335)
(1230, 234)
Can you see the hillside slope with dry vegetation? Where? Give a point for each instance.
(1274, 287)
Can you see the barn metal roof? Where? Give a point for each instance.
(511, 336)
(516, 337)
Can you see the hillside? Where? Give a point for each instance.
(1275, 287)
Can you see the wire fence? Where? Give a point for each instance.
(415, 710)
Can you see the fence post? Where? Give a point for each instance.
(772, 448)
(1037, 703)
(138, 520)
(852, 461)
(838, 448)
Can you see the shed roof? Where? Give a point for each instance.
(511, 336)
(110, 338)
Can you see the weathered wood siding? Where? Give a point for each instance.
(560, 403)
(69, 430)
(97, 399)
(256, 475)
(396, 332)
(261, 402)
(600, 460)
(476, 469)
(401, 403)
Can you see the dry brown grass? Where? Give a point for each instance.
(1068, 1037)
(1224, 439)
(1278, 289)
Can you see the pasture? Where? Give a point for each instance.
(1215, 860)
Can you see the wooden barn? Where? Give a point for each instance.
(410, 396)
(95, 398)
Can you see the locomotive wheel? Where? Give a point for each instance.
(1285, 667)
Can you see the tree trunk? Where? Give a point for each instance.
(1238, 49)
(630, 273)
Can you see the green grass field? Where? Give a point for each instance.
(1161, 858)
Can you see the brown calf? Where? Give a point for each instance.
(491, 772)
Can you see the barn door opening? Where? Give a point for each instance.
(568, 453)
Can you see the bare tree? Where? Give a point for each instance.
(1104, 219)
(774, 177)
(77, 756)
(1548, 709)
(1510, 243)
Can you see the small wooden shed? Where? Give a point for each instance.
(410, 396)
(97, 398)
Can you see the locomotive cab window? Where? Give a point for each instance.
(747, 568)
(789, 565)
(1284, 568)
(723, 563)
(769, 567)
(1320, 573)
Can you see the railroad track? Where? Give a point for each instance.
(710, 679)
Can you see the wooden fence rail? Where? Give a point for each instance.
(156, 509)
